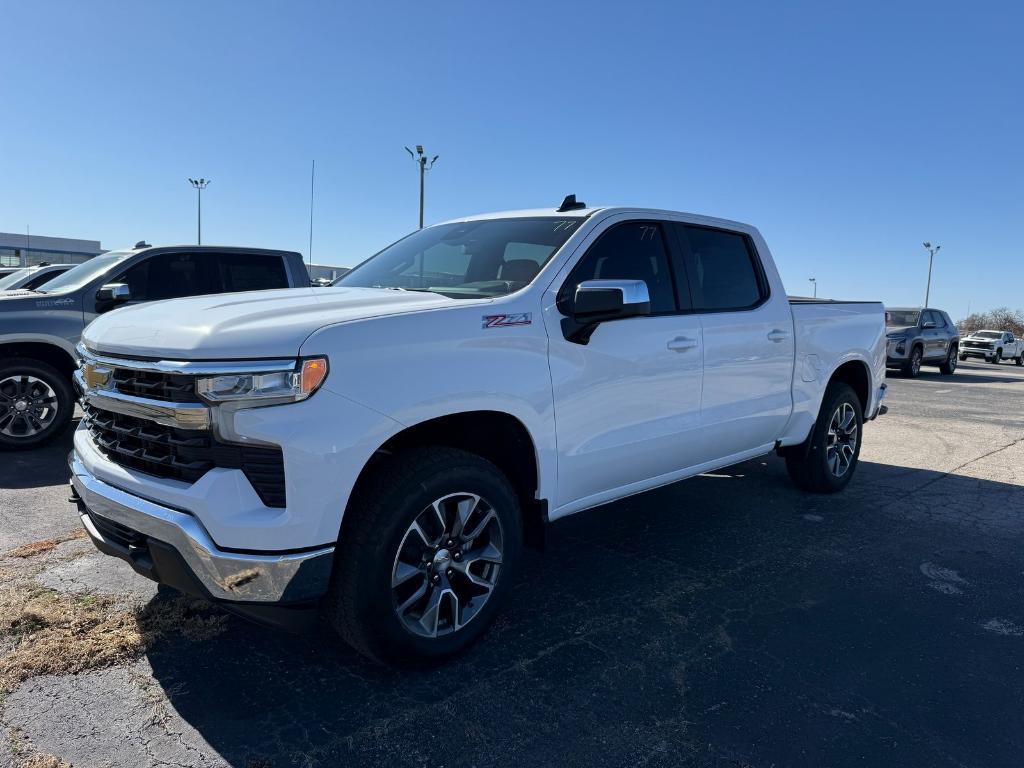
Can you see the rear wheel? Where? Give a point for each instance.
(949, 366)
(36, 403)
(826, 461)
(912, 367)
(426, 557)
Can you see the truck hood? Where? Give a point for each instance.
(891, 330)
(258, 324)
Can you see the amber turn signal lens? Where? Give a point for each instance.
(313, 374)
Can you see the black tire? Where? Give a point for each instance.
(912, 368)
(23, 397)
(949, 366)
(997, 357)
(361, 605)
(808, 464)
(962, 358)
(1020, 359)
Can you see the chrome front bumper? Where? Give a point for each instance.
(173, 546)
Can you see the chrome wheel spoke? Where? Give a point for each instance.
(440, 582)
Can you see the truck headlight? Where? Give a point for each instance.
(265, 388)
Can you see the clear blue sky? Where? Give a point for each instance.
(848, 132)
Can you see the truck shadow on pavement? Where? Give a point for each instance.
(729, 619)
(40, 467)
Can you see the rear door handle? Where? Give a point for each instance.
(778, 335)
(681, 344)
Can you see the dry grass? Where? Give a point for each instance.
(45, 545)
(41, 760)
(59, 634)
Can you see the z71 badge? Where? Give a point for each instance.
(503, 321)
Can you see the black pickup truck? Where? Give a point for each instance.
(40, 328)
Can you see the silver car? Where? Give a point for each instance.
(917, 336)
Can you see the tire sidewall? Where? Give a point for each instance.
(835, 396)
(374, 598)
(65, 401)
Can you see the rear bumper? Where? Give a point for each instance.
(173, 548)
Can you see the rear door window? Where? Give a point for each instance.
(723, 270)
(247, 272)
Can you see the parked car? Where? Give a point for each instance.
(30, 278)
(917, 337)
(39, 329)
(380, 450)
(993, 346)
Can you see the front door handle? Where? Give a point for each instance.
(681, 344)
(778, 335)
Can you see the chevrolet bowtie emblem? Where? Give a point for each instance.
(96, 376)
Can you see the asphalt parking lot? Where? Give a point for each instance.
(726, 621)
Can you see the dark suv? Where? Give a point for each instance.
(919, 337)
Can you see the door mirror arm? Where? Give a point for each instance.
(601, 301)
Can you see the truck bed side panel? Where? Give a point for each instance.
(829, 335)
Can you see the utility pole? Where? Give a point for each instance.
(28, 245)
(199, 185)
(931, 256)
(814, 281)
(424, 165)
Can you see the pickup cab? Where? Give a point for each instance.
(993, 347)
(381, 450)
(40, 327)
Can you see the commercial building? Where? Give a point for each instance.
(24, 250)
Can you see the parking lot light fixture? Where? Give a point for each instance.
(931, 256)
(424, 166)
(814, 282)
(199, 185)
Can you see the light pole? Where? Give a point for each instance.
(814, 281)
(931, 256)
(199, 185)
(425, 165)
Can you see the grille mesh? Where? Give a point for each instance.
(183, 454)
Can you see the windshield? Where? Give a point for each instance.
(84, 273)
(468, 259)
(989, 334)
(901, 318)
(11, 279)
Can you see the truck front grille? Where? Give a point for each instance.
(167, 387)
(183, 454)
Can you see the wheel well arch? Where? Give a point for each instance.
(496, 436)
(52, 354)
(856, 374)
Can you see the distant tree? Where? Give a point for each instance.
(1000, 319)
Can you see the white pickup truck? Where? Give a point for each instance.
(994, 346)
(381, 450)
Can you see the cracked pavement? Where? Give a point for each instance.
(729, 620)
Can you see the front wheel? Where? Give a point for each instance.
(962, 358)
(912, 367)
(997, 357)
(826, 461)
(427, 554)
(1020, 359)
(36, 403)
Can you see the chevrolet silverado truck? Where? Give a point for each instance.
(381, 450)
(40, 327)
(993, 346)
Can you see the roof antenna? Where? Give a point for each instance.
(570, 204)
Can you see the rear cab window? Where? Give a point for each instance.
(724, 271)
